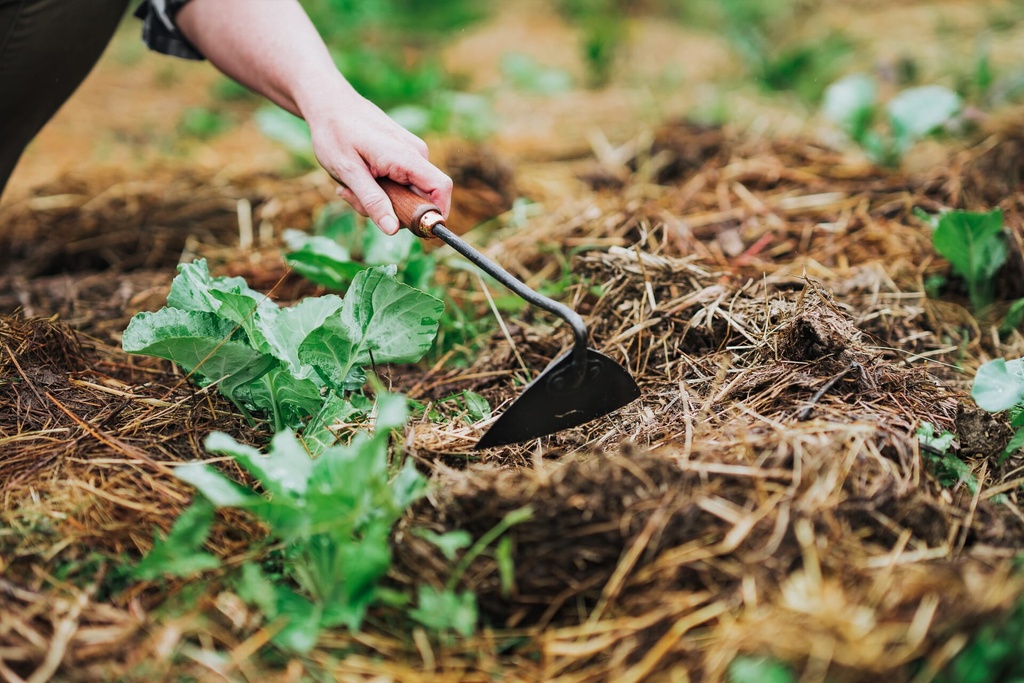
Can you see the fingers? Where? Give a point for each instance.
(371, 146)
(360, 189)
(371, 198)
(429, 180)
(351, 198)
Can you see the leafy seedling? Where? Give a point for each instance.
(913, 114)
(286, 362)
(288, 130)
(941, 458)
(342, 245)
(333, 515)
(975, 245)
(180, 552)
(448, 609)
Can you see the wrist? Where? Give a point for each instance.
(320, 97)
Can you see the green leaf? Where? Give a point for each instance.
(917, 112)
(179, 553)
(294, 324)
(939, 443)
(199, 342)
(392, 411)
(746, 669)
(850, 102)
(449, 543)
(999, 385)
(317, 435)
(321, 260)
(525, 73)
(288, 130)
(446, 610)
(285, 471)
(217, 488)
(476, 405)
(974, 245)
(1016, 443)
(381, 321)
(251, 311)
(339, 223)
(192, 289)
(291, 401)
(303, 626)
(382, 250)
(255, 588)
(1014, 317)
(506, 565)
(407, 487)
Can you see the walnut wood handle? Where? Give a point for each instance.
(413, 211)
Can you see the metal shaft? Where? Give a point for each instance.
(579, 329)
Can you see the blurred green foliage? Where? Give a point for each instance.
(203, 123)
(762, 33)
(388, 49)
(602, 25)
(993, 654)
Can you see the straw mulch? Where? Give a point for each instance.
(767, 494)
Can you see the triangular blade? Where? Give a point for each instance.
(546, 406)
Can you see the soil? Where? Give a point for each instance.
(765, 285)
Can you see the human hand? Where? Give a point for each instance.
(357, 143)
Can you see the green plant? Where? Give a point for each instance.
(332, 516)
(762, 33)
(993, 653)
(525, 73)
(602, 25)
(295, 363)
(803, 68)
(343, 245)
(937, 450)
(385, 48)
(914, 113)
(746, 669)
(975, 246)
(999, 386)
(180, 552)
(203, 123)
(447, 609)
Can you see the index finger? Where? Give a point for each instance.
(432, 183)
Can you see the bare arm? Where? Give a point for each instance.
(272, 47)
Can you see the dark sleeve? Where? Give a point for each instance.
(159, 31)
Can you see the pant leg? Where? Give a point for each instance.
(47, 48)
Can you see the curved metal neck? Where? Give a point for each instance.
(579, 329)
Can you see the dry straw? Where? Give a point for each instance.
(767, 495)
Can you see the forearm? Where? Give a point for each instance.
(270, 46)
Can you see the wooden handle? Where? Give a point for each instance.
(413, 211)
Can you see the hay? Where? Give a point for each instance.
(767, 494)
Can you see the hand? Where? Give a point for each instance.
(357, 143)
(260, 45)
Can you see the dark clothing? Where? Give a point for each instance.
(159, 31)
(48, 47)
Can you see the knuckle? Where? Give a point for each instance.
(376, 204)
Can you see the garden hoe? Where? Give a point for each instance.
(579, 386)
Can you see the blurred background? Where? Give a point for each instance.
(543, 80)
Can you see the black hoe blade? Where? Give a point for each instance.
(550, 403)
